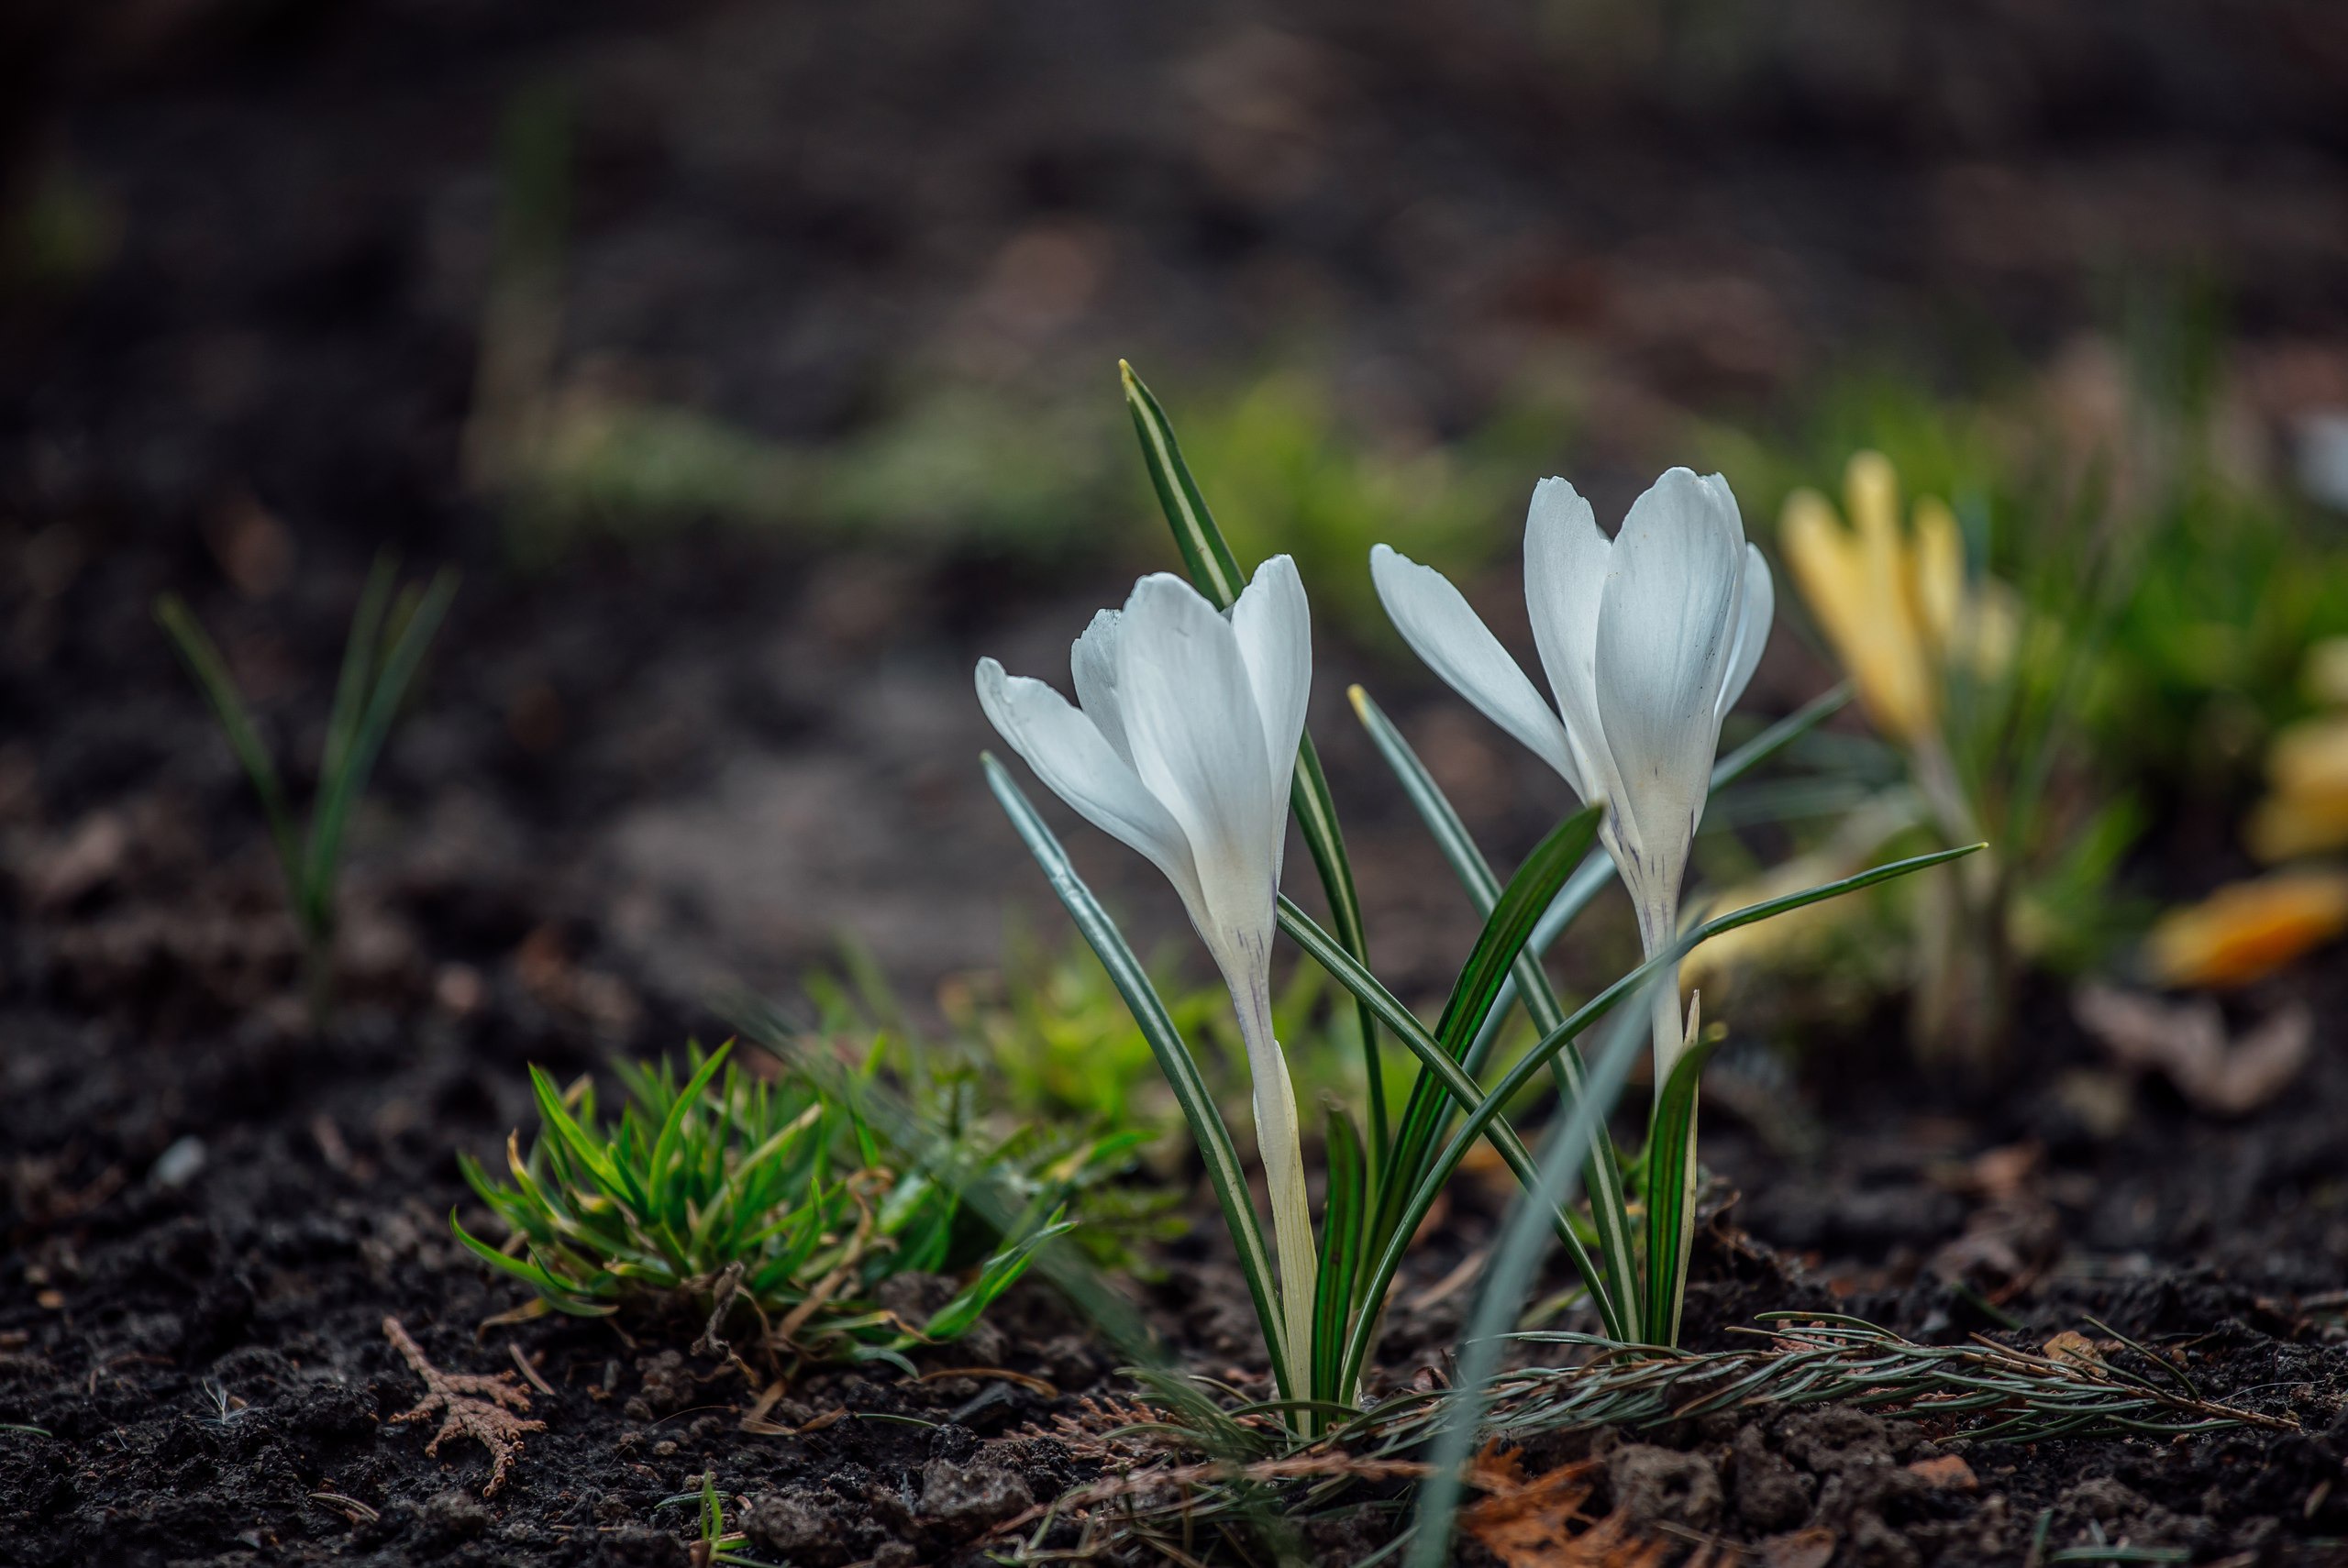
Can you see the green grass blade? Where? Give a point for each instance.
(669, 1196)
(1780, 736)
(583, 1146)
(1215, 572)
(1316, 818)
(339, 790)
(550, 1290)
(1507, 1280)
(1514, 1080)
(1323, 950)
(1344, 1214)
(999, 1273)
(1505, 933)
(1205, 553)
(1671, 1192)
(202, 657)
(1208, 1131)
(358, 654)
(1602, 1181)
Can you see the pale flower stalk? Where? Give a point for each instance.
(1647, 639)
(1181, 745)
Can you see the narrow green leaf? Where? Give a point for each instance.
(1496, 950)
(1214, 570)
(1323, 950)
(1488, 1110)
(1780, 736)
(203, 662)
(340, 789)
(1671, 1191)
(550, 1289)
(1204, 552)
(360, 648)
(1609, 1210)
(1507, 1280)
(1342, 1216)
(1225, 1173)
(999, 1274)
(582, 1145)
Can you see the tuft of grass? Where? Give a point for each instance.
(780, 1194)
(390, 633)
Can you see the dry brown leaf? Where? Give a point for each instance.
(1949, 1472)
(2188, 1044)
(1812, 1548)
(1529, 1524)
(2073, 1348)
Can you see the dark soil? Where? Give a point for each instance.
(634, 777)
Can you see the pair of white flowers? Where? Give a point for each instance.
(1184, 738)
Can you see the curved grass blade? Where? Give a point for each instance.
(1781, 734)
(1671, 1190)
(1602, 1181)
(1342, 1233)
(202, 657)
(1506, 930)
(1215, 572)
(1213, 1138)
(339, 789)
(1514, 1080)
(1323, 950)
(358, 656)
(1509, 1276)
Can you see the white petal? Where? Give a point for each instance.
(1755, 608)
(1076, 762)
(1093, 660)
(1197, 745)
(1566, 561)
(1455, 644)
(1274, 625)
(1665, 641)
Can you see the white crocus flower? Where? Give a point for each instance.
(1647, 639)
(1182, 748)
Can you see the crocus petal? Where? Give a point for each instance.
(1866, 621)
(1198, 746)
(1755, 608)
(1274, 625)
(1566, 562)
(1455, 644)
(1940, 571)
(1663, 631)
(1076, 763)
(1093, 660)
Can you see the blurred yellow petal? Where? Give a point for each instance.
(2326, 676)
(1991, 634)
(1939, 570)
(1845, 582)
(2246, 931)
(1825, 563)
(2283, 827)
(1871, 497)
(2310, 758)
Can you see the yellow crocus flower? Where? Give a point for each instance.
(1889, 603)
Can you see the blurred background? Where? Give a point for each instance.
(757, 364)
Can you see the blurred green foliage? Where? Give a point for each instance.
(1287, 472)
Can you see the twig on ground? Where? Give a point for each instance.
(472, 1405)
